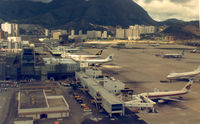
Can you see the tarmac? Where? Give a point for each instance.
(143, 69)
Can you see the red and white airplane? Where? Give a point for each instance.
(165, 95)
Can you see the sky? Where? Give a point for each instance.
(160, 10)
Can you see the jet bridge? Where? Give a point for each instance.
(140, 101)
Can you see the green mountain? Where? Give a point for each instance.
(75, 13)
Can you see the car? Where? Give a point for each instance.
(85, 108)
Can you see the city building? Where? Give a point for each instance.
(15, 39)
(134, 32)
(128, 34)
(93, 34)
(9, 67)
(2, 35)
(80, 32)
(11, 28)
(46, 32)
(72, 32)
(119, 33)
(27, 62)
(104, 35)
(58, 33)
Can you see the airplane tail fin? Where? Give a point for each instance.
(198, 68)
(110, 57)
(80, 48)
(99, 52)
(188, 86)
(182, 53)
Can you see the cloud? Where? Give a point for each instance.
(164, 9)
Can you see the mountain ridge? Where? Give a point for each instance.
(60, 13)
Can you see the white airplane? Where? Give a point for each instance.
(195, 51)
(154, 45)
(95, 61)
(165, 95)
(73, 56)
(174, 55)
(69, 49)
(184, 75)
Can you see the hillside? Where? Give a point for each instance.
(75, 13)
(184, 30)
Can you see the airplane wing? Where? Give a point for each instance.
(171, 99)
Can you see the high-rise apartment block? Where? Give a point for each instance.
(11, 28)
(134, 32)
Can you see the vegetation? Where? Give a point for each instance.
(78, 14)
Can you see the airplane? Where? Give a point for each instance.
(165, 95)
(95, 61)
(174, 55)
(154, 45)
(69, 49)
(73, 56)
(183, 75)
(195, 51)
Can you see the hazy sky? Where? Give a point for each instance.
(164, 9)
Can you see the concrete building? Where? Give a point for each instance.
(104, 35)
(23, 121)
(80, 32)
(46, 32)
(57, 33)
(11, 28)
(136, 32)
(39, 104)
(111, 85)
(120, 33)
(28, 63)
(2, 35)
(9, 67)
(72, 32)
(150, 29)
(107, 100)
(15, 39)
(128, 34)
(93, 34)
(57, 68)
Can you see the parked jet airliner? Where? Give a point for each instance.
(174, 55)
(173, 76)
(165, 95)
(73, 56)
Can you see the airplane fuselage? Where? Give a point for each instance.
(94, 61)
(183, 75)
(173, 56)
(157, 95)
